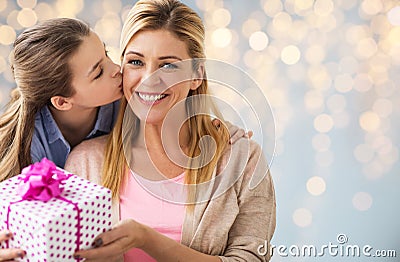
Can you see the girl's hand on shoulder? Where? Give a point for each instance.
(235, 132)
(111, 245)
(10, 253)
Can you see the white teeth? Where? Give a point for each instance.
(150, 98)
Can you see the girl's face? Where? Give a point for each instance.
(96, 79)
(153, 94)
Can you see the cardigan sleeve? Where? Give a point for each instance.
(86, 161)
(253, 228)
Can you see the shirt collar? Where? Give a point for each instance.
(50, 125)
(103, 123)
(104, 120)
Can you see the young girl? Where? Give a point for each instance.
(214, 214)
(66, 88)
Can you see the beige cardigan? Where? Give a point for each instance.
(232, 225)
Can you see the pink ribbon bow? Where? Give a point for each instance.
(41, 181)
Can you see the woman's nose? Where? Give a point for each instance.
(151, 78)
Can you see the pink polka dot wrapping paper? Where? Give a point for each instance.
(54, 230)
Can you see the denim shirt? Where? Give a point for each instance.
(49, 142)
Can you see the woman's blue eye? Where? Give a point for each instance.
(169, 66)
(136, 62)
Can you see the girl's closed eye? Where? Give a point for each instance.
(99, 74)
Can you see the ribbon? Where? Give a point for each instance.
(78, 224)
(41, 181)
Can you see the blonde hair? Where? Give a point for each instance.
(39, 62)
(184, 23)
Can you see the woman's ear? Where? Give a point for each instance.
(61, 103)
(198, 77)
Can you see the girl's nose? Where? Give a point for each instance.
(116, 70)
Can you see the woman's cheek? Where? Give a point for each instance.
(131, 78)
(130, 81)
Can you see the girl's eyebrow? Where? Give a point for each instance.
(97, 64)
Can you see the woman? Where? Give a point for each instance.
(67, 91)
(226, 220)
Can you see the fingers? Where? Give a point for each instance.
(112, 250)
(235, 132)
(117, 259)
(114, 234)
(5, 235)
(10, 253)
(217, 123)
(235, 137)
(114, 243)
(239, 133)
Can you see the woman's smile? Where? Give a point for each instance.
(150, 98)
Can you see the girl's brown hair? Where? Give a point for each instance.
(39, 62)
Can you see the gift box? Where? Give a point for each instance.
(52, 213)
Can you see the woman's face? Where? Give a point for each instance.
(155, 74)
(95, 78)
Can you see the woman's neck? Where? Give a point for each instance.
(75, 125)
(160, 153)
(156, 138)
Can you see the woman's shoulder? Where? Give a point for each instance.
(87, 157)
(92, 144)
(244, 162)
(244, 148)
(92, 149)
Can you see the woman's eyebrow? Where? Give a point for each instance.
(170, 57)
(135, 53)
(160, 58)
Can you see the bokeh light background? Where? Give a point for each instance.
(331, 72)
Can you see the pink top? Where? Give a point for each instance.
(156, 204)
